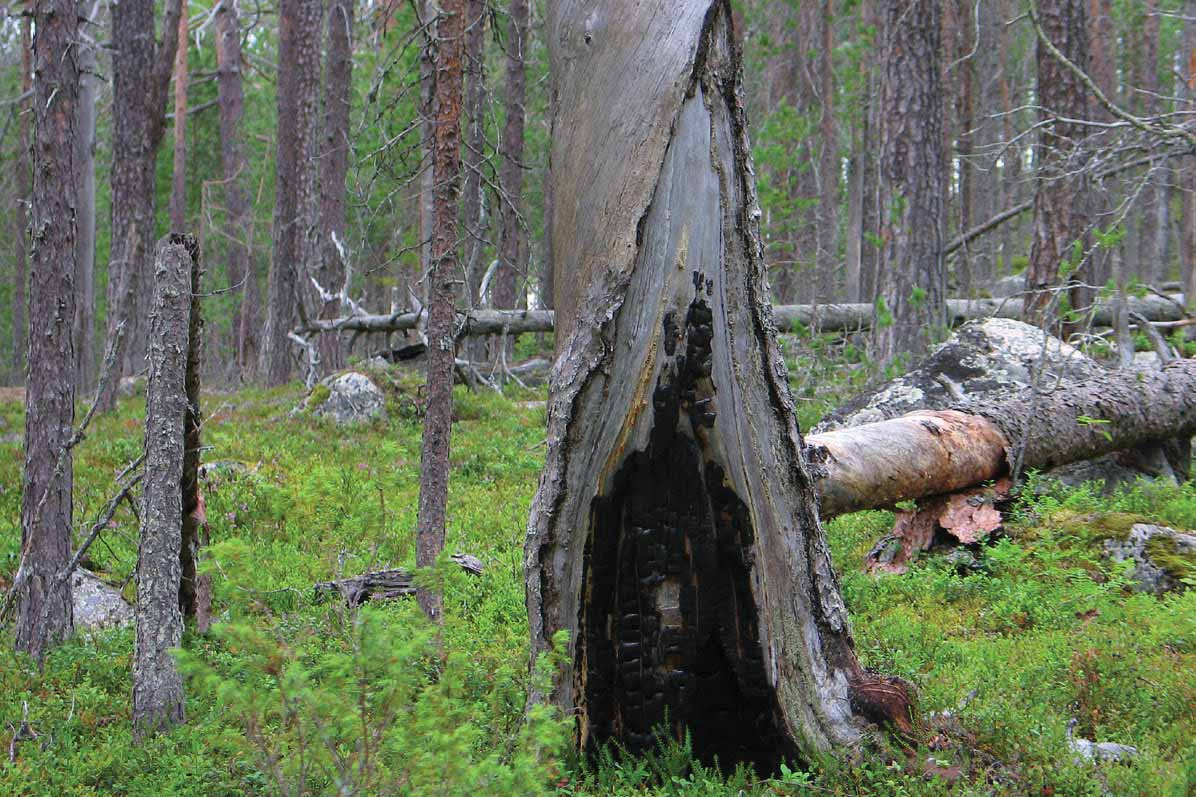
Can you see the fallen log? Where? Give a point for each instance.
(925, 453)
(383, 584)
(824, 317)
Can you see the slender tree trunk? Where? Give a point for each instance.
(21, 205)
(446, 146)
(44, 613)
(474, 155)
(512, 243)
(1152, 265)
(965, 77)
(912, 275)
(1188, 169)
(295, 186)
(1060, 217)
(675, 533)
(189, 579)
(157, 685)
(85, 215)
(853, 278)
(827, 256)
(178, 190)
(242, 274)
(985, 176)
(140, 80)
(427, 179)
(334, 168)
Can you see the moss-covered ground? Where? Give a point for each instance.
(287, 696)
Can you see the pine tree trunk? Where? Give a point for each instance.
(24, 194)
(675, 533)
(827, 255)
(1188, 169)
(512, 244)
(140, 80)
(44, 613)
(334, 168)
(295, 186)
(912, 277)
(85, 215)
(1060, 217)
(189, 580)
(157, 685)
(178, 186)
(242, 274)
(446, 147)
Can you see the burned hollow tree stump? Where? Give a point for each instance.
(675, 534)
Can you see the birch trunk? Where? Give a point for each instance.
(675, 535)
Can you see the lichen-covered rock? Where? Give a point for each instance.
(348, 398)
(96, 604)
(1164, 559)
(988, 357)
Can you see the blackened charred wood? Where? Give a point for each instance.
(189, 549)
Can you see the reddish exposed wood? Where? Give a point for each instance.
(928, 453)
(446, 148)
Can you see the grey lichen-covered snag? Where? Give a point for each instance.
(157, 685)
(674, 535)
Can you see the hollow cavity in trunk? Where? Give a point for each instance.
(670, 635)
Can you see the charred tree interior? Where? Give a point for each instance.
(675, 535)
(671, 640)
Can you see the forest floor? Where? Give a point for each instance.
(287, 695)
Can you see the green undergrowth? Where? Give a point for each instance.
(286, 691)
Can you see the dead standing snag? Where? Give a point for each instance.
(675, 534)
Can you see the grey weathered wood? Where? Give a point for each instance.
(383, 584)
(157, 685)
(192, 426)
(825, 317)
(669, 397)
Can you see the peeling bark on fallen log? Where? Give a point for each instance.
(383, 584)
(927, 453)
(825, 317)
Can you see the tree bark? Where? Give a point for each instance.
(1060, 216)
(44, 614)
(295, 186)
(85, 215)
(192, 445)
(512, 243)
(157, 685)
(827, 255)
(674, 535)
(178, 186)
(474, 155)
(877, 465)
(140, 80)
(242, 274)
(334, 168)
(1188, 167)
(446, 147)
(912, 277)
(21, 202)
